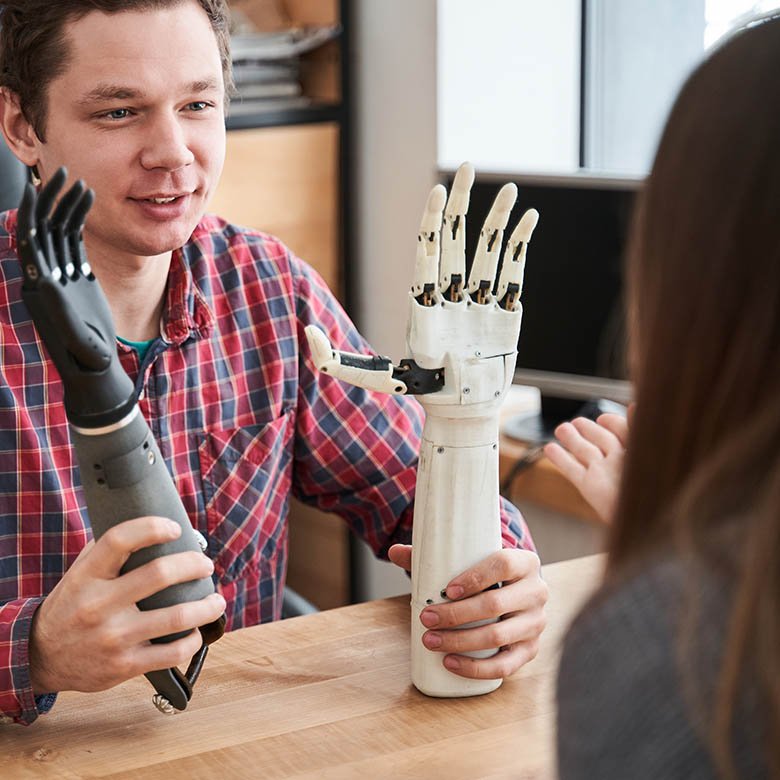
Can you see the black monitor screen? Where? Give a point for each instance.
(573, 338)
(573, 318)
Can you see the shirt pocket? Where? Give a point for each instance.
(246, 475)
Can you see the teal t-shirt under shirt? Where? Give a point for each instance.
(141, 347)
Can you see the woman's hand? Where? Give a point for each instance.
(591, 458)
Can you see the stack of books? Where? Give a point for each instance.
(266, 67)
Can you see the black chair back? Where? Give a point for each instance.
(13, 177)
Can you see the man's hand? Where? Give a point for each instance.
(591, 458)
(88, 634)
(519, 605)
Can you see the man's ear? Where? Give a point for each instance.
(19, 134)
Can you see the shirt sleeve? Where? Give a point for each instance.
(18, 704)
(356, 450)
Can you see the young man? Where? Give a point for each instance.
(129, 96)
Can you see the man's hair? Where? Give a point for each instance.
(34, 50)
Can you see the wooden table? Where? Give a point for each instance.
(326, 696)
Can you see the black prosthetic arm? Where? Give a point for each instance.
(122, 471)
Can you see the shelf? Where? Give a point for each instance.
(246, 118)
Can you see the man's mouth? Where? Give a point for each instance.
(162, 199)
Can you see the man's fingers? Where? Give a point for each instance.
(179, 617)
(502, 566)
(164, 571)
(401, 555)
(505, 662)
(517, 627)
(517, 596)
(149, 658)
(118, 543)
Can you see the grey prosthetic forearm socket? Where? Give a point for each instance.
(122, 472)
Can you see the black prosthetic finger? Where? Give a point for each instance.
(35, 265)
(48, 195)
(84, 342)
(59, 225)
(43, 207)
(75, 232)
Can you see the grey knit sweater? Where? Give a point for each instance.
(622, 710)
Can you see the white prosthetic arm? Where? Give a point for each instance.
(461, 349)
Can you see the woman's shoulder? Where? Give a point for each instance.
(620, 678)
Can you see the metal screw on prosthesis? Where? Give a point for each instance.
(163, 704)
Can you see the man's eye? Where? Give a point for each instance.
(198, 105)
(117, 113)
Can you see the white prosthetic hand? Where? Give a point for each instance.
(461, 349)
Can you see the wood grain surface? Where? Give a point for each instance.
(326, 696)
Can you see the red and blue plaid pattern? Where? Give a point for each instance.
(241, 417)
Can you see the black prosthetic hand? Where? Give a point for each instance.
(67, 304)
(122, 472)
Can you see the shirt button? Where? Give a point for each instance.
(141, 395)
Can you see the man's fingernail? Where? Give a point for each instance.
(454, 592)
(432, 640)
(452, 663)
(429, 618)
(174, 527)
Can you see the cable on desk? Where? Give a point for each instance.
(520, 465)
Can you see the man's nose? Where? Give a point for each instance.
(166, 146)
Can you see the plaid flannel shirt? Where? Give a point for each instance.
(241, 417)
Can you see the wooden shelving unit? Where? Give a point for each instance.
(286, 174)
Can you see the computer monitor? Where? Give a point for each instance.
(573, 338)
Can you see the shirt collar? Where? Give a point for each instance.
(186, 312)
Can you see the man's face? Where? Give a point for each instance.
(138, 115)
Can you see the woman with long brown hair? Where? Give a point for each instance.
(672, 670)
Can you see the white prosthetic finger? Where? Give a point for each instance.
(483, 271)
(426, 269)
(367, 371)
(452, 277)
(510, 283)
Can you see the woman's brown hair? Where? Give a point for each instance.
(34, 51)
(702, 470)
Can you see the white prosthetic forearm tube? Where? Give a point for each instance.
(456, 524)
